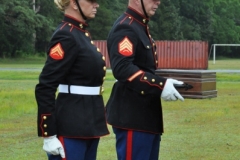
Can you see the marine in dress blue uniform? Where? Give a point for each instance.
(134, 108)
(76, 116)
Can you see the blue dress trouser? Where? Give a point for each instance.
(77, 149)
(135, 145)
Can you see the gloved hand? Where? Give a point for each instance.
(53, 146)
(169, 92)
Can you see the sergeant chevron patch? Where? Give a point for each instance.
(57, 52)
(125, 47)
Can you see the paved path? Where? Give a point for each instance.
(226, 71)
(20, 69)
(109, 70)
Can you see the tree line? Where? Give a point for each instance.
(27, 25)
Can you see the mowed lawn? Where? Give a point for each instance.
(196, 129)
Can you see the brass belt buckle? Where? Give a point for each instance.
(101, 90)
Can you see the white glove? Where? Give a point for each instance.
(169, 92)
(53, 146)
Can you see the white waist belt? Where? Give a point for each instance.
(84, 90)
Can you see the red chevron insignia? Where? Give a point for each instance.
(57, 52)
(125, 47)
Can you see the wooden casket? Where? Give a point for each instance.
(203, 82)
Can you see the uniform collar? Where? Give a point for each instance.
(74, 22)
(138, 16)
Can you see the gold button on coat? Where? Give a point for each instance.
(103, 58)
(145, 78)
(45, 126)
(86, 34)
(45, 133)
(161, 83)
(153, 80)
(142, 92)
(44, 117)
(104, 68)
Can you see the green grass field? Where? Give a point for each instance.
(224, 64)
(206, 129)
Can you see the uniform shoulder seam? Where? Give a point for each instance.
(134, 19)
(126, 20)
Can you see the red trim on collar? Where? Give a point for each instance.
(76, 19)
(138, 13)
(129, 15)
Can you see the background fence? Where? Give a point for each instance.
(174, 54)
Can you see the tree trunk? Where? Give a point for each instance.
(13, 53)
(2, 55)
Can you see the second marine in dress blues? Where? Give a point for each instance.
(134, 108)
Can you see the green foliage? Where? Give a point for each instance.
(100, 26)
(48, 18)
(226, 26)
(197, 20)
(167, 22)
(19, 25)
(16, 18)
(108, 12)
(216, 21)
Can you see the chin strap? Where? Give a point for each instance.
(144, 9)
(80, 10)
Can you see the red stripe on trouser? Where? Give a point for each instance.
(129, 145)
(62, 141)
